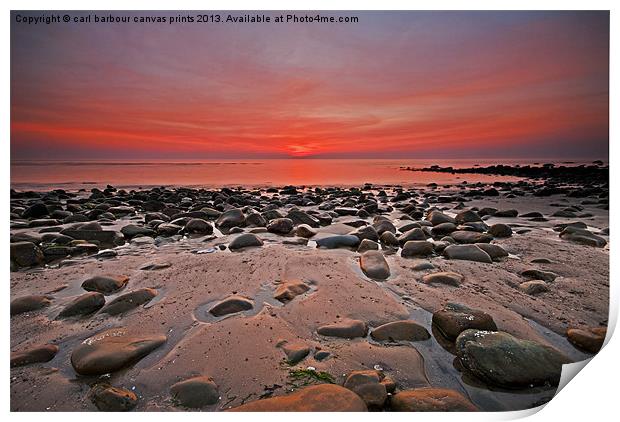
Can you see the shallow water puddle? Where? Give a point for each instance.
(440, 363)
(263, 297)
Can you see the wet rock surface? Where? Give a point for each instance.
(113, 399)
(112, 350)
(507, 361)
(35, 354)
(374, 265)
(231, 305)
(347, 328)
(83, 305)
(455, 318)
(319, 398)
(400, 330)
(29, 303)
(105, 284)
(195, 392)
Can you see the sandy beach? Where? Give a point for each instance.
(455, 297)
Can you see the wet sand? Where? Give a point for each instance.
(244, 352)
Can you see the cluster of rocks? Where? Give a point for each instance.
(362, 391)
(94, 300)
(373, 222)
(77, 224)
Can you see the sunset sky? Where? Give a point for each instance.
(396, 84)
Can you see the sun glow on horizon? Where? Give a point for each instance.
(404, 84)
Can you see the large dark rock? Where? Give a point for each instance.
(36, 210)
(231, 218)
(26, 254)
(501, 359)
(198, 226)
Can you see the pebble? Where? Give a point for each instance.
(113, 399)
(374, 265)
(112, 350)
(413, 234)
(199, 226)
(367, 384)
(583, 236)
(338, 241)
(231, 305)
(245, 240)
(494, 251)
(590, 339)
(26, 254)
(537, 274)
(467, 253)
(83, 305)
(405, 330)
(280, 226)
(437, 217)
(534, 287)
(155, 266)
(347, 328)
(196, 392)
(36, 354)
(446, 277)
(288, 290)
(231, 218)
(367, 245)
(470, 237)
(500, 230)
(105, 284)
(417, 248)
(304, 230)
(295, 352)
(424, 265)
(455, 318)
(129, 301)
(29, 303)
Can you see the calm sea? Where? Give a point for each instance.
(73, 175)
